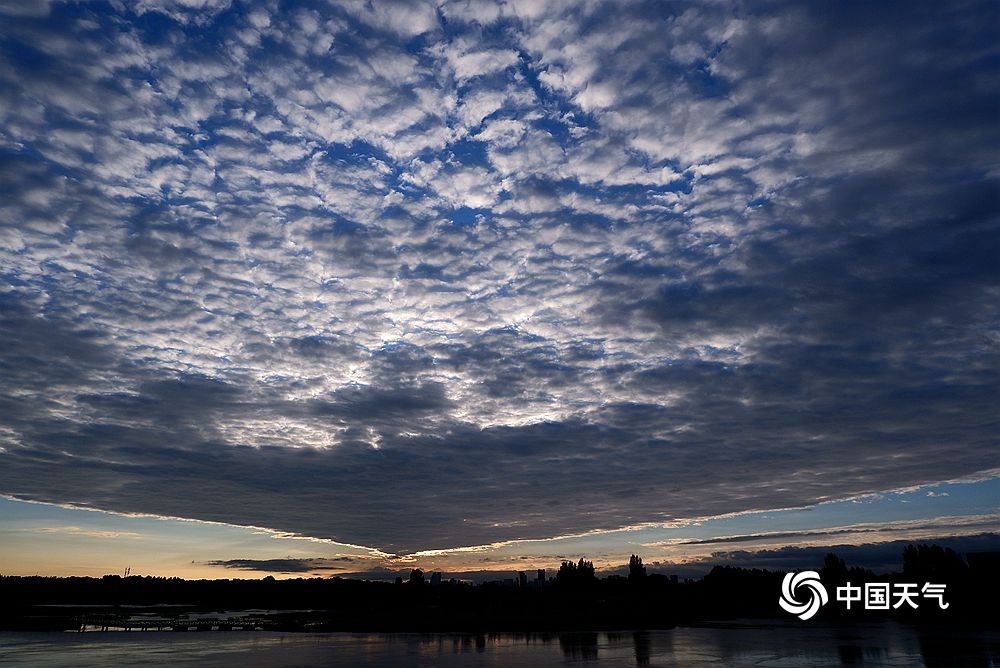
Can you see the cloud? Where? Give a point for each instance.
(289, 565)
(880, 557)
(183, 11)
(452, 275)
(33, 8)
(88, 533)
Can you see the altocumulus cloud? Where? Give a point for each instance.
(415, 276)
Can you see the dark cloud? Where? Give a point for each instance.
(880, 557)
(289, 565)
(446, 276)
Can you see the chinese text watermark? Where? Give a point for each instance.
(803, 594)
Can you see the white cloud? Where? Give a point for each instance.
(400, 17)
(34, 8)
(468, 63)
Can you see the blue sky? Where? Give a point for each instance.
(412, 277)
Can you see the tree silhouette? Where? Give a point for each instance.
(582, 571)
(932, 561)
(636, 571)
(834, 568)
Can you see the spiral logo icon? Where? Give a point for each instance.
(806, 580)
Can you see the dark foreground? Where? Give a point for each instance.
(330, 605)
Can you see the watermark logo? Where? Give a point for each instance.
(808, 581)
(874, 595)
(882, 595)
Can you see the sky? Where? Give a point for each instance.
(316, 287)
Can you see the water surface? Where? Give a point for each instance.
(758, 645)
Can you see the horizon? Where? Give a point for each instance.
(875, 547)
(889, 559)
(320, 287)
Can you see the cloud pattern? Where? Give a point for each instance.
(414, 275)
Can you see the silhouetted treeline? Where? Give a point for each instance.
(342, 604)
(576, 599)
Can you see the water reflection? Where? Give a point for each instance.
(579, 646)
(971, 651)
(642, 644)
(758, 644)
(852, 648)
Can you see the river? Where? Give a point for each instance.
(750, 644)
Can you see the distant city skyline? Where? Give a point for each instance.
(301, 287)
